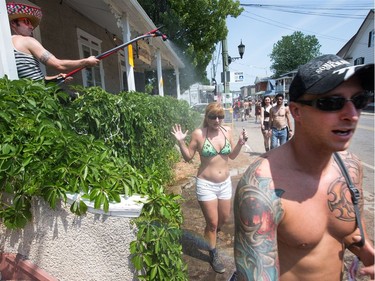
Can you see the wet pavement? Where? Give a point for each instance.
(194, 246)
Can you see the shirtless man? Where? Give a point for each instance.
(293, 212)
(247, 108)
(280, 122)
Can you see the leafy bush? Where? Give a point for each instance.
(100, 145)
(135, 126)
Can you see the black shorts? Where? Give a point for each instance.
(266, 125)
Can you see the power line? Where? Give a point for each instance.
(314, 6)
(312, 10)
(288, 27)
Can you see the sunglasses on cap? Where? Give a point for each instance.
(213, 117)
(335, 103)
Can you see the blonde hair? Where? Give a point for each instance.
(213, 108)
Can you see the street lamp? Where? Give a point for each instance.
(214, 83)
(241, 51)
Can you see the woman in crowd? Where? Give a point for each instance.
(214, 142)
(265, 121)
(258, 106)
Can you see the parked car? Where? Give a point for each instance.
(370, 107)
(199, 107)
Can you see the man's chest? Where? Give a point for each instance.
(278, 113)
(327, 213)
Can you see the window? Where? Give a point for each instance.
(360, 60)
(90, 46)
(371, 39)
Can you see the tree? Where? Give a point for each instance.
(292, 51)
(194, 27)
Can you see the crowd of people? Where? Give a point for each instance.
(273, 115)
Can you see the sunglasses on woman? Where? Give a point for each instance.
(335, 103)
(213, 117)
(26, 21)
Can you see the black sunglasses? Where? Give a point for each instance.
(26, 21)
(335, 103)
(213, 117)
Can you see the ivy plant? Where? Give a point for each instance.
(102, 146)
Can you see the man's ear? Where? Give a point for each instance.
(294, 110)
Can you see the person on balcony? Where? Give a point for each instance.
(24, 17)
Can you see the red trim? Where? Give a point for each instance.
(16, 267)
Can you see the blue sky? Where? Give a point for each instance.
(260, 28)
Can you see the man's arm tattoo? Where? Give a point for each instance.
(45, 57)
(257, 212)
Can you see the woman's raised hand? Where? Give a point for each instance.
(178, 134)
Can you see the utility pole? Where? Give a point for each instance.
(225, 65)
(226, 61)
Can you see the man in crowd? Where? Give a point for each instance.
(280, 122)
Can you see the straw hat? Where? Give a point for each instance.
(24, 9)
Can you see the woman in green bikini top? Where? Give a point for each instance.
(215, 145)
(209, 150)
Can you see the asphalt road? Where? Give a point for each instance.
(363, 146)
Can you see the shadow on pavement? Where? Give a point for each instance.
(193, 243)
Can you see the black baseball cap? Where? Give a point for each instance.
(325, 73)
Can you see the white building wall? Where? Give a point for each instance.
(191, 95)
(70, 248)
(360, 45)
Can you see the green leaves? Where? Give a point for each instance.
(78, 207)
(99, 146)
(159, 250)
(292, 51)
(194, 27)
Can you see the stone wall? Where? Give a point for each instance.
(69, 248)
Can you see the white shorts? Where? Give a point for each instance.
(207, 190)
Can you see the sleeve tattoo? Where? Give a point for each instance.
(45, 57)
(257, 212)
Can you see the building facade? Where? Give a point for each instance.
(76, 29)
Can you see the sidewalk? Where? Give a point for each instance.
(194, 246)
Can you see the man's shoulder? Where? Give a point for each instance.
(347, 155)
(24, 42)
(258, 167)
(350, 159)
(23, 38)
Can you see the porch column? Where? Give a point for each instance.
(128, 51)
(177, 73)
(160, 73)
(7, 60)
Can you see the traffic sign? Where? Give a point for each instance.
(238, 77)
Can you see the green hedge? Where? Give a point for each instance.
(101, 145)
